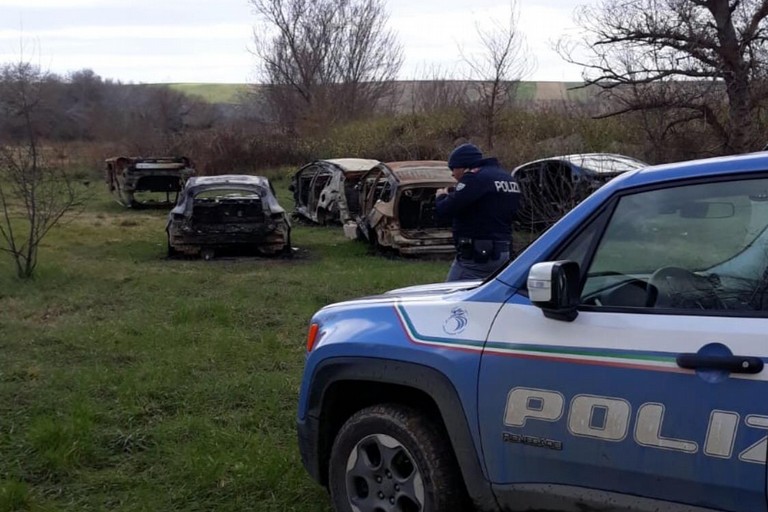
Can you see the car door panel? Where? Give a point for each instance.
(655, 388)
(601, 403)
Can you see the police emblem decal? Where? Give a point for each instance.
(457, 322)
(460, 186)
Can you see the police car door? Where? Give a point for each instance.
(656, 389)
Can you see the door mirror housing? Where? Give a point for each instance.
(553, 286)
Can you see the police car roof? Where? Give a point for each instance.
(724, 165)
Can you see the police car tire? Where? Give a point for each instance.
(418, 440)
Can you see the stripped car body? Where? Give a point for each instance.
(233, 211)
(324, 190)
(398, 207)
(127, 176)
(551, 187)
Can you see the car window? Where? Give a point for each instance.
(579, 249)
(550, 189)
(377, 187)
(700, 248)
(218, 193)
(384, 190)
(303, 180)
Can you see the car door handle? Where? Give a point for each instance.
(733, 364)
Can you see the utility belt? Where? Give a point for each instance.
(480, 251)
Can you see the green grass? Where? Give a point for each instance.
(526, 91)
(132, 382)
(212, 93)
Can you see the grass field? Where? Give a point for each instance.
(132, 382)
(527, 91)
(213, 93)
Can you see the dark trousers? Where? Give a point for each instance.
(463, 269)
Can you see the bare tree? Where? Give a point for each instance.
(33, 196)
(324, 59)
(696, 62)
(497, 69)
(436, 91)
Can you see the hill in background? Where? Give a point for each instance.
(527, 91)
(213, 93)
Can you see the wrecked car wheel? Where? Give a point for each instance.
(322, 217)
(373, 242)
(288, 249)
(172, 253)
(392, 457)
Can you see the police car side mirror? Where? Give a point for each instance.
(554, 287)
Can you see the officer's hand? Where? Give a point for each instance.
(441, 192)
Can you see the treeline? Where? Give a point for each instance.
(683, 82)
(90, 118)
(84, 107)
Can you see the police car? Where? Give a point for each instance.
(616, 364)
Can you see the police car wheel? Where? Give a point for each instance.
(392, 457)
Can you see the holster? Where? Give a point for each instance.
(484, 251)
(479, 251)
(465, 249)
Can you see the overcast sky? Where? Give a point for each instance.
(207, 40)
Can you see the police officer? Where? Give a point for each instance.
(482, 207)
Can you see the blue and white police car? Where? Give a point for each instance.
(616, 364)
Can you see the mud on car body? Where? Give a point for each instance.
(617, 364)
(398, 207)
(324, 190)
(128, 177)
(231, 211)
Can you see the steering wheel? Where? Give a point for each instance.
(678, 288)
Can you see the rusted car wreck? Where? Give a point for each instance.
(324, 190)
(226, 213)
(397, 208)
(126, 177)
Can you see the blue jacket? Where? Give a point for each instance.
(483, 204)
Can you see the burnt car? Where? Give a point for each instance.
(324, 190)
(551, 187)
(132, 179)
(225, 213)
(397, 208)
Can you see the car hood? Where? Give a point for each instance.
(417, 293)
(434, 289)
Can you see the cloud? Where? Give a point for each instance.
(96, 32)
(53, 4)
(114, 37)
(456, 32)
